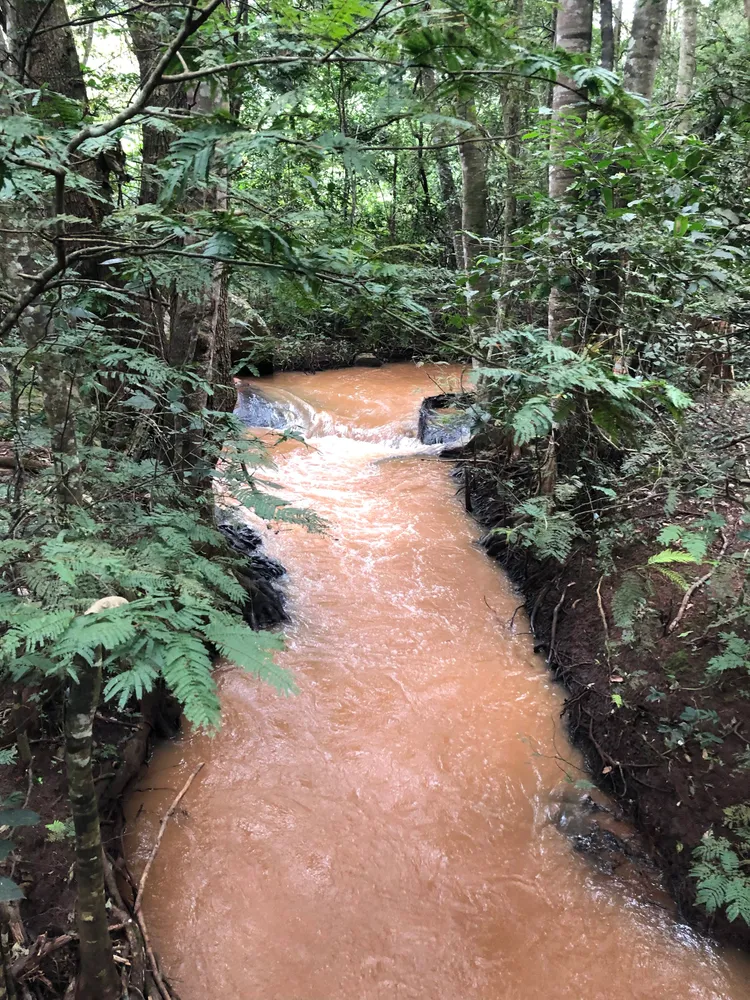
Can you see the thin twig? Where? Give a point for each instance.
(603, 616)
(167, 816)
(555, 614)
(698, 583)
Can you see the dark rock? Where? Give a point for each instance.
(260, 577)
(445, 419)
(367, 361)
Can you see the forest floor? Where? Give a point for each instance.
(43, 948)
(667, 741)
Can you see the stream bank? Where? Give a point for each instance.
(660, 736)
(43, 960)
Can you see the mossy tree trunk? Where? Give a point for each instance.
(608, 34)
(688, 42)
(97, 978)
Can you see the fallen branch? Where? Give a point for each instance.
(603, 616)
(178, 798)
(556, 612)
(695, 586)
(27, 964)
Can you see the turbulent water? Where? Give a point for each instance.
(386, 833)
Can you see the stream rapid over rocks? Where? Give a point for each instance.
(403, 827)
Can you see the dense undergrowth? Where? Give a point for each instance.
(634, 561)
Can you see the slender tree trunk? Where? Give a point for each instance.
(448, 192)
(645, 44)
(473, 184)
(688, 41)
(512, 128)
(198, 333)
(98, 978)
(617, 18)
(573, 34)
(45, 55)
(608, 34)
(394, 195)
(473, 215)
(747, 12)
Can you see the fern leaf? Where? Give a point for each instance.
(671, 556)
(253, 651)
(628, 601)
(187, 671)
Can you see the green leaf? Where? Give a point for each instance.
(671, 556)
(18, 817)
(9, 891)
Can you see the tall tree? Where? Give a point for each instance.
(473, 182)
(645, 45)
(572, 35)
(197, 324)
(448, 191)
(512, 117)
(688, 40)
(606, 19)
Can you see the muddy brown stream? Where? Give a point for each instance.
(385, 833)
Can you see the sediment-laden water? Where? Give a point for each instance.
(387, 833)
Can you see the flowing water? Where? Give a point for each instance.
(386, 833)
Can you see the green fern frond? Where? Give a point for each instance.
(187, 671)
(253, 651)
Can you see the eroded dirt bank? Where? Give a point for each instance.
(664, 740)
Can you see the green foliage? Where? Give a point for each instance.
(59, 830)
(543, 386)
(721, 867)
(734, 656)
(12, 817)
(693, 723)
(629, 602)
(548, 533)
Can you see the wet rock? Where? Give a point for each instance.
(367, 361)
(260, 576)
(446, 419)
(255, 410)
(590, 822)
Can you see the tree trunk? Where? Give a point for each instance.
(473, 184)
(645, 44)
(512, 128)
(448, 192)
(617, 18)
(97, 978)
(473, 215)
(43, 55)
(198, 333)
(573, 34)
(688, 40)
(608, 34)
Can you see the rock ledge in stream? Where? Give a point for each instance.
(367, 361)
(261, 576)
(446, 419)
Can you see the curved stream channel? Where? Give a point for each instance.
(387, 832)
